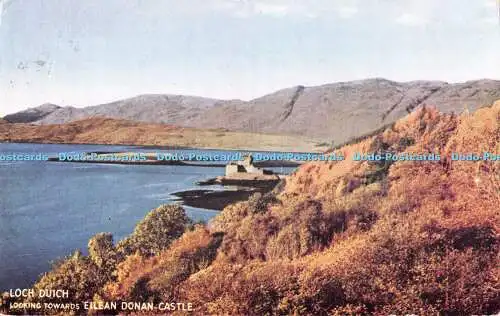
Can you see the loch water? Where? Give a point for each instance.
(50, 209)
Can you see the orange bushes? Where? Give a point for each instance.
(423, 239)
(150, 279)
(347, 237)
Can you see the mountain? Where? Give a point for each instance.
(342, 111)
(32, 114)
(394, 237)
(334, 112)
(155, 108)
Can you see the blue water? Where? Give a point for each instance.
(49, 209)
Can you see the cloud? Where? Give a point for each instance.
(489, 21)
(249, 8)
(491, 16)
(491, 4)
(276, 10)
(344, 9)
(347, 12)
(4, 4)
(416, 13)
(442, 14)
(411, 13)
(410, 19)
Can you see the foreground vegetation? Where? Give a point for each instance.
(341, 238)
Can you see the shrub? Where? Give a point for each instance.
(258, 202)
(77, 274)
(378, 169)
(102, 252)
(156, 231)
(406, 142)
(155, 278)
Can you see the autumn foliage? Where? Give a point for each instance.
(364, 238)
(347, 237)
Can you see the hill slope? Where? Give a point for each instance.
(98, 130)
(334, 112)
(338, 238)
(342, 111)
(157, 108)
(32, 114)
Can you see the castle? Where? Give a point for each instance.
(245, 167)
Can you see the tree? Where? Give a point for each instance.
(157, 230)
(75, 273)
(103, 254)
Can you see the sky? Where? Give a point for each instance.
(79, 53)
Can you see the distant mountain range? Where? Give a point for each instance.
(333, 112)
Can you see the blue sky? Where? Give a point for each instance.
(73, 52)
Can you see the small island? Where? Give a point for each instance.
(245, 173)
(241, 180)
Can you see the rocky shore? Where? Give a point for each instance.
(214, 199)
(237, 187)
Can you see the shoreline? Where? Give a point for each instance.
(212, 199)
(219, 199)
(151, 158)
(262, 164)
(320, 149)
(200, 197)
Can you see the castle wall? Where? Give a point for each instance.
(230, 169)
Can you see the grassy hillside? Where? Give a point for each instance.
(124, 132)
(341, 238)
